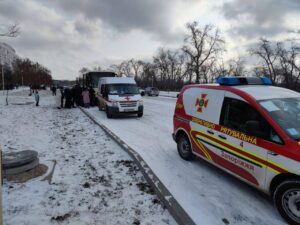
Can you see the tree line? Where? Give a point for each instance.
(200, 59)
(25, 72)
(22, 71)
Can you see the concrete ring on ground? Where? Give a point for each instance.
(21, 169)
(16, 159)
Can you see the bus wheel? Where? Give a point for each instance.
(287, 201)
(184, 147)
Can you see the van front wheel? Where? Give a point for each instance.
(184, 147)
(287, 201)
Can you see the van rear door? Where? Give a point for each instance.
(203, 107)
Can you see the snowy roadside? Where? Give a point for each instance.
(94, 182)
(207, 194)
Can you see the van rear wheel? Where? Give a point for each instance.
(287, 201)
(184, 147)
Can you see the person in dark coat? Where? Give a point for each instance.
(53, 89)
(68, 96)
(62, 97)
(78, 95)
(92, 96)
(73, 93)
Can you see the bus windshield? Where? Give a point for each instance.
(286, 113)
(122, 89)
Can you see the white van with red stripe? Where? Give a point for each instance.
(250, 129)
(119, 95)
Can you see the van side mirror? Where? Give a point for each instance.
(177, 95)
(252, 127)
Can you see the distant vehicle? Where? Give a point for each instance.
(119, 95)
(248, 128)
(91, 79)
(152, 91)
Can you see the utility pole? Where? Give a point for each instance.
(22, 78)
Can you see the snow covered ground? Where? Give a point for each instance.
(94, 181)
(209, 195)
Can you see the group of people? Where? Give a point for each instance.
(77, 96)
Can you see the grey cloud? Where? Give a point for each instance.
(66, 32)
(152, 16)
(266, 17)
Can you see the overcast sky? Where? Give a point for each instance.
(66, 35)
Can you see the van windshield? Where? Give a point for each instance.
(122, 89)
(286, 113)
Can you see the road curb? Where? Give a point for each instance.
(160, 189)
(167, 96)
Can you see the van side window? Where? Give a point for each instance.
(240, 116)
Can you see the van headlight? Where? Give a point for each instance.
(141, 102)
(114, 104)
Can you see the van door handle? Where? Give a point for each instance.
(222, 136)
(272, 153)
(210, 132)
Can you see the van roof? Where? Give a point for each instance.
(258, 92)
(261, 92)
(118, 80)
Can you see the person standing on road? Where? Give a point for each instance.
(37, 97)
(92, 96)
(62, 96)
(78, 95)
(86, 97)
(53, 89)
(68, 96)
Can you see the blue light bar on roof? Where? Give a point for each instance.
(266, 80)
(232, 80)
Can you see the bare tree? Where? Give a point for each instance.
(137, 66)
(289, 67)
(236, 67)
(126, 68)
(83, 70)
(202, 46)
(10, 31)
(122, 69)
(269, 56)
(260, 71)
(97, 68)
(170, 67)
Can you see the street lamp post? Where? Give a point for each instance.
(152, 80)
